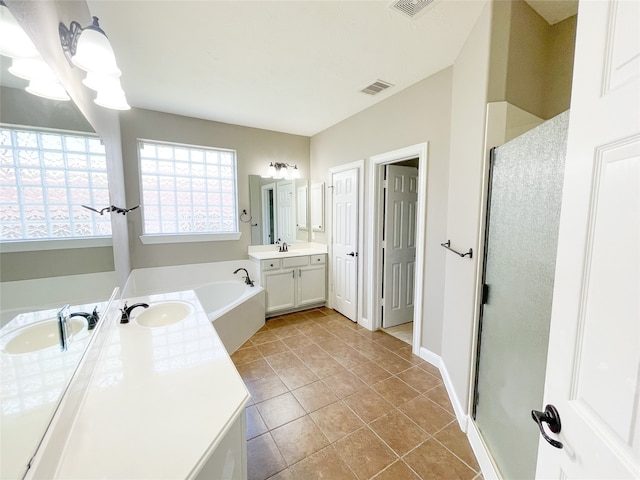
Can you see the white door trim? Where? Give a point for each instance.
(358, 164)
(373, 247)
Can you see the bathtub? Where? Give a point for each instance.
(235, 309)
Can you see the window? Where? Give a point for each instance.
(45, 178)
(187, 190)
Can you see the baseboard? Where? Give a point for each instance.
(430, 357)
(489, 471)
(460, 412)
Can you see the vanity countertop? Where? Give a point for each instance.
(268, 252)
(159, 401)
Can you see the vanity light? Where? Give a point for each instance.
(281, 170)
(26, 62)
(90, 50)
(14, 42)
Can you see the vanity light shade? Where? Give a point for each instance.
(271, 171)
(114, 99)
(14, 42)
(94, 52)
(32, 69)
(97, 81)
(47, 89)
(295, 173)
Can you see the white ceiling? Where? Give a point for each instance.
(290, 66)
(293, 66)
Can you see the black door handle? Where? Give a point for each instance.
(551, 417)
(353, 254)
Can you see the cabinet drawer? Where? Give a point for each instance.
(295, 261)
(317, 259)
(271, 264)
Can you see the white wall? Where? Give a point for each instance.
(420, 113)
(466, 164)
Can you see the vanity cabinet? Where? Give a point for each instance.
(294, 283)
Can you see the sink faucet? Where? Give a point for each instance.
(247, 280)
(92, 318)
(126, 311)
(284, 247)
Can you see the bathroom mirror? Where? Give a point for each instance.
(34, 379)
(317, 207)
(279, 210)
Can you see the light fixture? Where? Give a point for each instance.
(282, 170)
(14, 42)
(90, 50)
(26, 62)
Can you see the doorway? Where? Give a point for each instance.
(374, 236)
(400, 196)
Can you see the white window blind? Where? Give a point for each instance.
(45, 178)
(187, 189)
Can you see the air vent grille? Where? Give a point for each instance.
(410, 8)
(376, 87)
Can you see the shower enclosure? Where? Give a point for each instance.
(525, 192)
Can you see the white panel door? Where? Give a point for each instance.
(399, 244)
(286, 211)
(593, 365)
(344, 261)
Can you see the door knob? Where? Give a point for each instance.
(551, 417)
(353, 254)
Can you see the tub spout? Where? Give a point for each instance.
(247, 279)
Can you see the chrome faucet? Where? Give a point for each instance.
(126, 311)
(284, 247)
(247, 280)
(92, 318)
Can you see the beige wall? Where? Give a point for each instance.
(466, 166)
(40, 21)
(255, 149)
(420, 113)
(531, 61)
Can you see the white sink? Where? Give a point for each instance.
(41, 335)
(163, 314)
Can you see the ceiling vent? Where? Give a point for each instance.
(376, 87)
(410, 8)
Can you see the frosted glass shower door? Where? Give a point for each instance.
(520, 252)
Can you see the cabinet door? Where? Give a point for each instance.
(280, 290)
(311, 285)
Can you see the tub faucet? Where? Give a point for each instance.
(284, 247)
(247, 280)
(92, 318)
(126, 311)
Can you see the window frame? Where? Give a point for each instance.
(187, 237)
(58, 243)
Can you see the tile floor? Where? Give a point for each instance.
(331, 400)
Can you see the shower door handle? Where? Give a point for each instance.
(551, 417)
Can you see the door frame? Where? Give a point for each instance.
(373, 250)
(359, 165)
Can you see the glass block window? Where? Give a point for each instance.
(187, 189)
(45, 178)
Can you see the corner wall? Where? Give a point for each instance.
(420, 113)
(466, 166)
